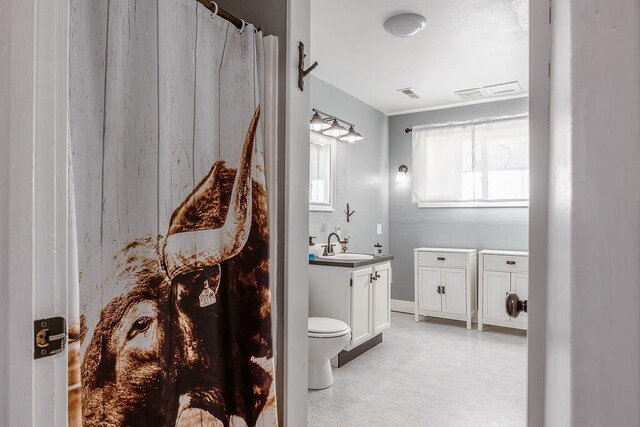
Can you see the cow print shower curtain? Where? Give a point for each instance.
(169, 222)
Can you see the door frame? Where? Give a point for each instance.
(540, 27)
(36, 206)
(539, 125)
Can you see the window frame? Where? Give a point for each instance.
(505, 203)
(320, 139)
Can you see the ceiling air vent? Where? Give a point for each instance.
(410, 93)
(473, 93)
(504, 88)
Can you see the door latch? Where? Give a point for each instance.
(49, 336)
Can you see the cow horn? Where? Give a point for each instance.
(192, 248)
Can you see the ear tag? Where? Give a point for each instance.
(207, 296)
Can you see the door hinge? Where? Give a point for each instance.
(49, 336)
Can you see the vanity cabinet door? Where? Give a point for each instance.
(454, 292)
(381, 288)
(361, 298)
(496, 285)
(429, 281)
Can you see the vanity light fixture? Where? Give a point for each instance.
(402, 176)
(351, 136)
(329, 125)
(336, 130)
(317, 123)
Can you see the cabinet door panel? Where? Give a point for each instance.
(361, 322)
(381, 289)
(429, 280)
(496, 285)
(454, 297)
(520, 285)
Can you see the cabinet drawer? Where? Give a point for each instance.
(441, 259)
(506, 263)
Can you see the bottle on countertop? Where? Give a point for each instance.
(312, 248)
(377, 250)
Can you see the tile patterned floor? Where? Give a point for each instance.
(433, 373)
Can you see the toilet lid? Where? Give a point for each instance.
(326, 326)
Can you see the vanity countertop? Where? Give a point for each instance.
(350, 263)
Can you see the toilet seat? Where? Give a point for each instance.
(324, 327)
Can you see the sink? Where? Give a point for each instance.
(346, 257)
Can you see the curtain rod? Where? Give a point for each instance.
(470, 122)
(213, 7)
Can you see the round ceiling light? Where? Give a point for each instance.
(405, 24)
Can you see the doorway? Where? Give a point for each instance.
(324, 81)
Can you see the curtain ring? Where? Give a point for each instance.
(241, 30)
(215, 11)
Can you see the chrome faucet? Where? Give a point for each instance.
(328, 250)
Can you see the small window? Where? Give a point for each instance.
(472, 164)
(322, 168)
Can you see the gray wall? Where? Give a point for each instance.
(477, 228)
(362, 171)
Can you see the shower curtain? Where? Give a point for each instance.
(171, 314)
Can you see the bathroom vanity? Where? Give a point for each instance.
(356, 291)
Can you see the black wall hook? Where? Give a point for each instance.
(349, 212)
(302, 73)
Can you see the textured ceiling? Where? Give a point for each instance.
(466, 44)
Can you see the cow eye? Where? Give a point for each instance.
(139, 326)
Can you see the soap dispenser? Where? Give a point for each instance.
(312, 248)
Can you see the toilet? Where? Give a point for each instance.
(327, 337)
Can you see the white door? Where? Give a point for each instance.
(496, 285)
(361, 319)
(429, 279)
(381, 289)
(454, 295)
(520, 285)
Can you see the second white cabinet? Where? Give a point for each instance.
(502, 272)
(445, 283)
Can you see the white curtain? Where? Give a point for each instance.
(471, 162)
(501, 159)
(172, 299)
(442, 164)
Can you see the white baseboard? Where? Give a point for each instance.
(403, 306)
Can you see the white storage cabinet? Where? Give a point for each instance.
(501, 272)
(445, 283)
(360, 297)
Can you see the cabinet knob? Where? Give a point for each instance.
(511, 263)
(514, 305)
(440, 258)
(439, 289)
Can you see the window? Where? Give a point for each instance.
(472, 164)
(322, 172)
